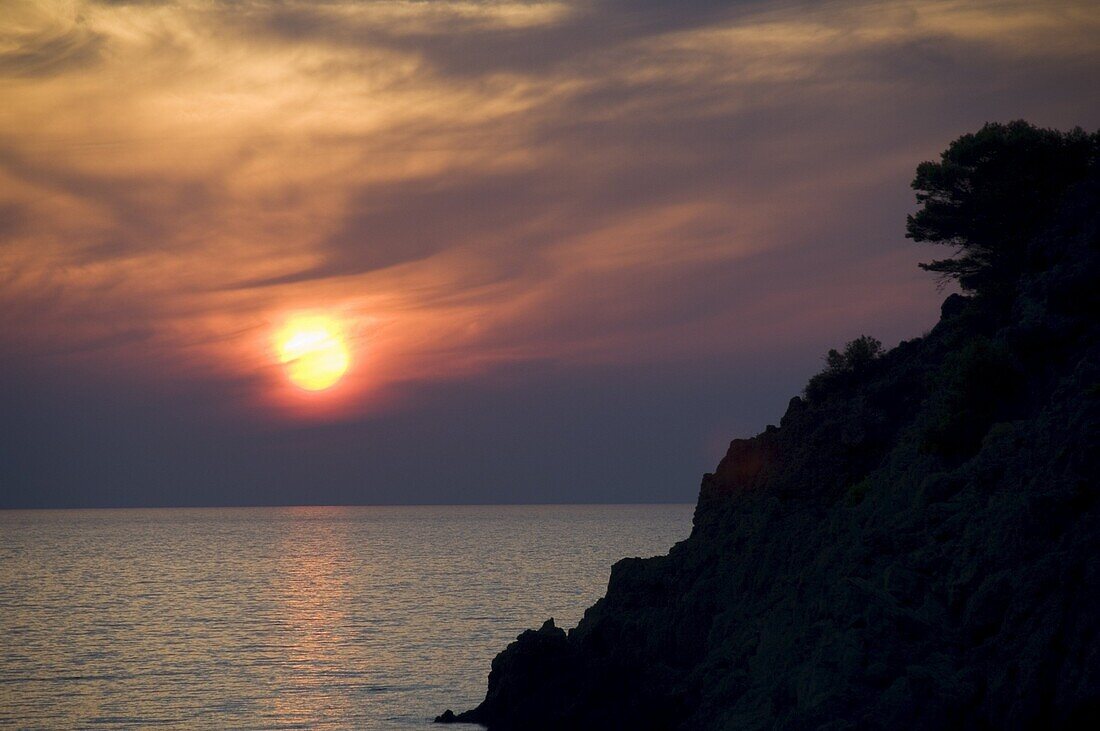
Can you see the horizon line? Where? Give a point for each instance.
(343, 505)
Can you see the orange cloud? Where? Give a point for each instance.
(476, 184)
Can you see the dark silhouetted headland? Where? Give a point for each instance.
(915, 545)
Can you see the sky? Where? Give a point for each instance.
(571, 249)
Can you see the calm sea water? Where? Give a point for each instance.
(272, 618)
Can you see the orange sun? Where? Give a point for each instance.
(313, 351)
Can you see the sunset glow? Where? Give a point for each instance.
(504, 216)
(341, 339)
(313, 353)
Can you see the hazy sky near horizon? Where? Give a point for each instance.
(575, 247)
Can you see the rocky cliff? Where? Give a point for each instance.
(914, 546)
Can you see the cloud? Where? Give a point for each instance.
(556, 232)
(140, 212)
(37, 43)
(475, 39)
(487, 182)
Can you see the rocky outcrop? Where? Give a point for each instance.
(913, 547)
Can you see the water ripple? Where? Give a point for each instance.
(319, 618)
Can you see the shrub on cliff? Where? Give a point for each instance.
(841, 366)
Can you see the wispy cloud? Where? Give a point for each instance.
(479, 183)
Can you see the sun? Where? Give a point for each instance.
(313, 352)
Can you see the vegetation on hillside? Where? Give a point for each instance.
(990, 193)
(914, 546)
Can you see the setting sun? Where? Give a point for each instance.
(313, 352)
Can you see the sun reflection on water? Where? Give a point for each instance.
(320, 618)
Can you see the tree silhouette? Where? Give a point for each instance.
(989, 195)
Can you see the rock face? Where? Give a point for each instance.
(914, 547)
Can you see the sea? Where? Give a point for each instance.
(289, 618)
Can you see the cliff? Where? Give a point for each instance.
(914, 546)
